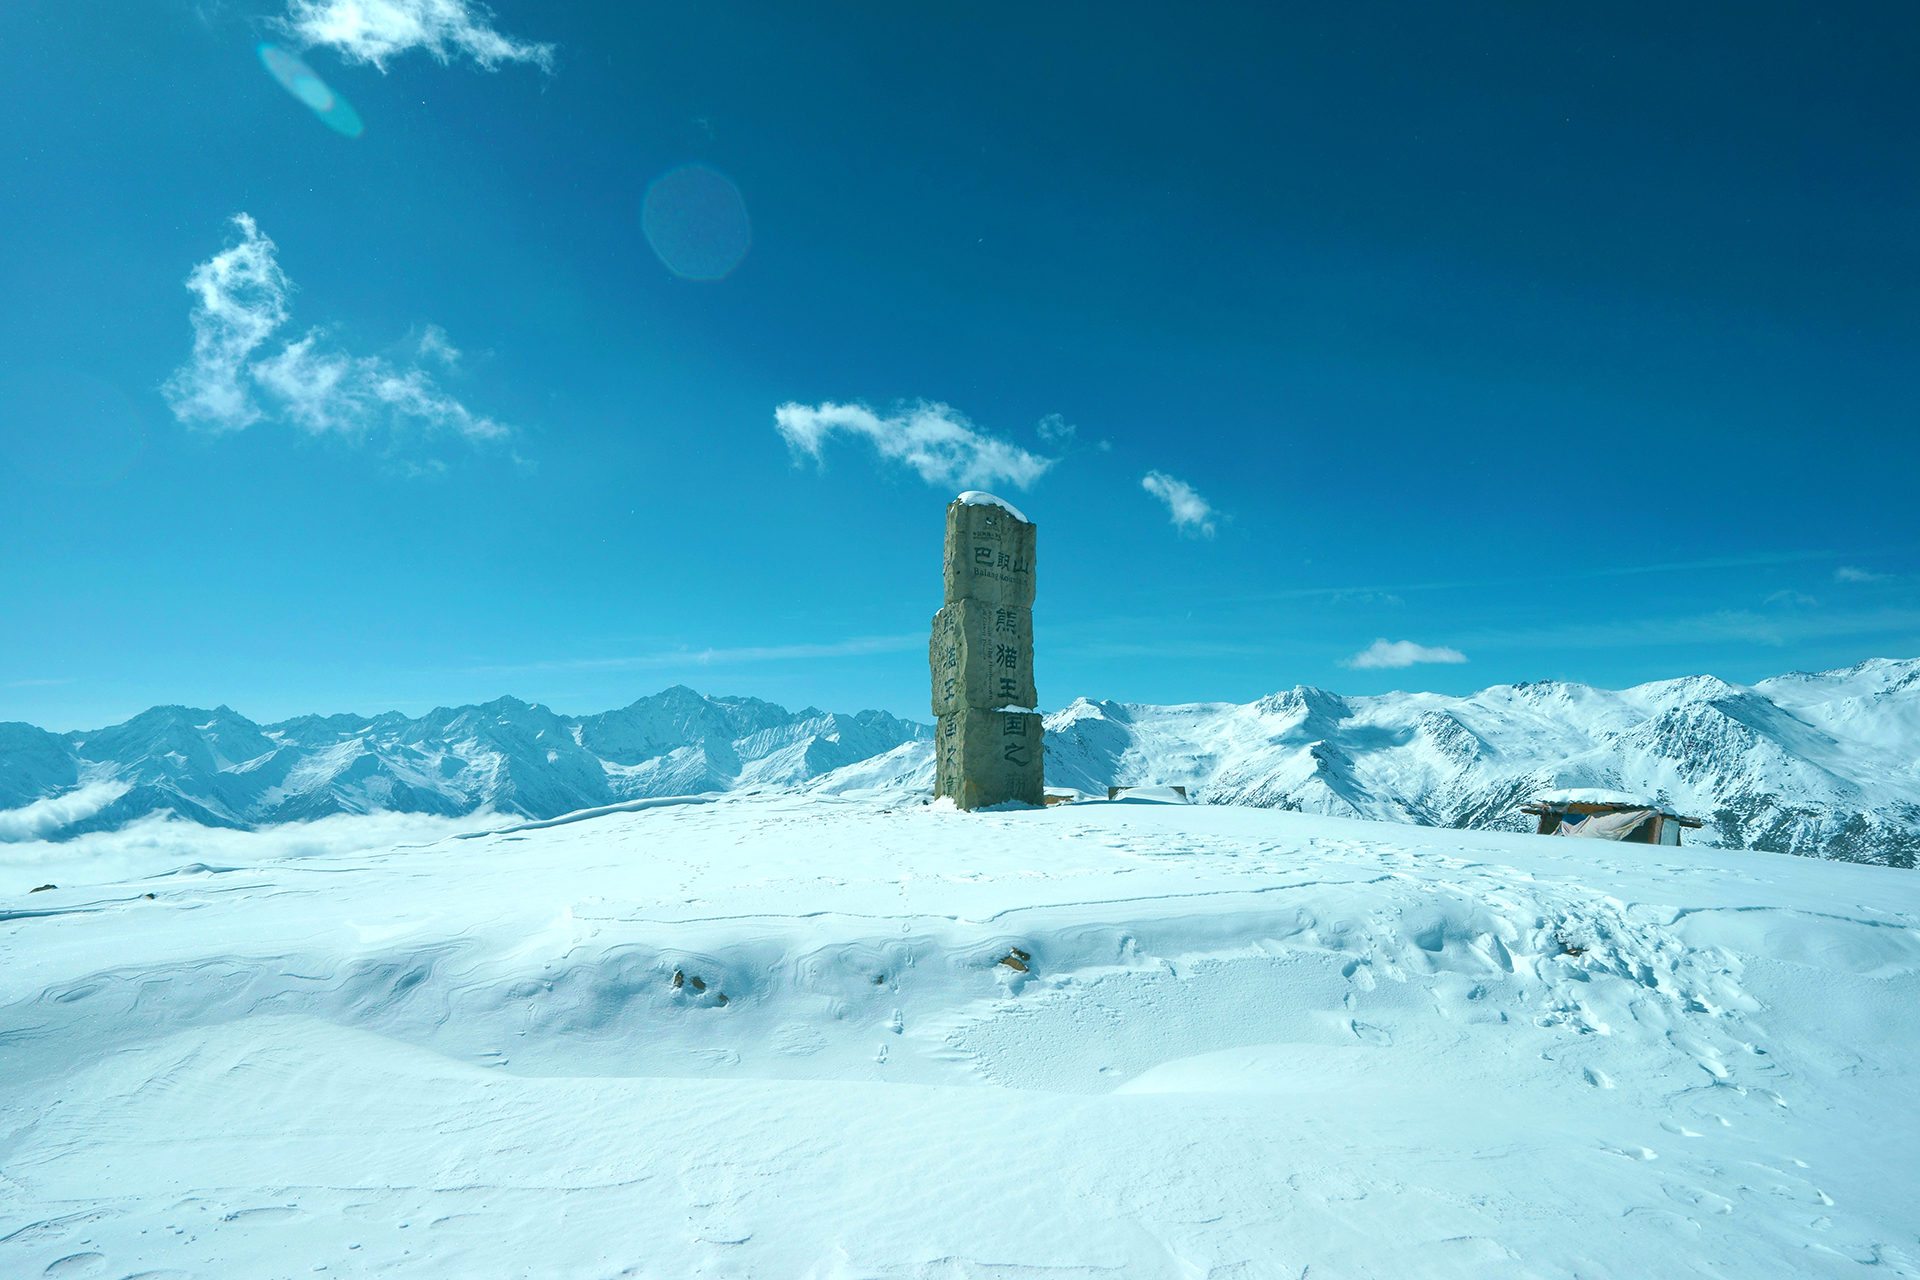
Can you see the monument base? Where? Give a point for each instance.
(989, 757)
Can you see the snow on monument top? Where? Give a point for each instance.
(981, 498)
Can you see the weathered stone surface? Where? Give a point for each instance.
(989, 556)
(982, 657)
(981, 654)
(988, 757)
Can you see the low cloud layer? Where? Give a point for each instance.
(934, 439)
(1399, 653)
(158, 844)
(242, 298)
(1192, 514)
(377, 30)
(42, 818)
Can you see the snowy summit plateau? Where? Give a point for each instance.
(801, 1036)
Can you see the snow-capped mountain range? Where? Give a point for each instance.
(1826, 764)
(221, 769)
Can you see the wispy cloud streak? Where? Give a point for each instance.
(1192, 514)
(1718, 627)
(377, 30)
(1467, 584)
(857, 647)
(936, 440)
(242, 298)
(241, 295)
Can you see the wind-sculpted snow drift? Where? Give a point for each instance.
(1825, 765)
(863, 1038)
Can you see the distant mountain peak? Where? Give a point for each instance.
(1819, 763)
(220, 768)
(1828, 771)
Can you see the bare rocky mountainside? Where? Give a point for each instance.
(1824, 765)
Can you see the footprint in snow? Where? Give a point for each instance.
(798, 1040)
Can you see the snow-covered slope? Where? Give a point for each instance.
(1823, 764)
(807, 1037)
(219, 768)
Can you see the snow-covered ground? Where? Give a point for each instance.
(776, 1036)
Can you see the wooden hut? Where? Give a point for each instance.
(1606, 815)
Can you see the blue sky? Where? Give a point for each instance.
(1468, 344)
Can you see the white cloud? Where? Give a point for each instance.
(1399, 653)
(934, 439)
(45, 816)
(1847, 573)
(376, 30)
(1191, 513)
(242, 299)
(332, 391)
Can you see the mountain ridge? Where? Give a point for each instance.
(1822, 764)
(220, 769)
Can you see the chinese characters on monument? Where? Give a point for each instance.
(988, 740)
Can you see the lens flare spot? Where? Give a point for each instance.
(299, 79)
(696, 221)
(313, 93)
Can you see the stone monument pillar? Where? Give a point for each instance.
(987, 745)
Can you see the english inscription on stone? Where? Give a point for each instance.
(989, 556)
(988, 742)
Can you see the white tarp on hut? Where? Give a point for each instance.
(1617, 825)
